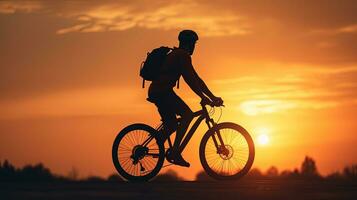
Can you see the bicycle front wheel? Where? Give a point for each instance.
(138, 154)
(231, 159)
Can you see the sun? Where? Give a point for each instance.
(263, 139)
(263, 136)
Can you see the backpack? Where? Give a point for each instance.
(151, 68)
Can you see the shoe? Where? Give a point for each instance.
(177, 159)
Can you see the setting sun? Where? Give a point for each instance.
(263, 139)
(263, 136)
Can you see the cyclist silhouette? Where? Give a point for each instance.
(178, 63)
(226, 150)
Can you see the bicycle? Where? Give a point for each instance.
(226, 150)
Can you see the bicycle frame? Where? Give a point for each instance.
(201, 114)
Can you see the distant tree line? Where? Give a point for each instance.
(39, 173)
(308, 171)
(28, 173)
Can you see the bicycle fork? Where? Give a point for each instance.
(221, 148)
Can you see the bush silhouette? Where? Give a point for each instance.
(94, 179)
(272, 172)
(203, 176)
(335, 176)
(170, 175)
(115, 178)
(39, 173)
(288, 174)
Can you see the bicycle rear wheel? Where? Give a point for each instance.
(231, 160)
(138, 154)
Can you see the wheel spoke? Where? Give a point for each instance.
(145, 157)
(234, 155)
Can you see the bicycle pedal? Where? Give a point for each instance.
(141, 167)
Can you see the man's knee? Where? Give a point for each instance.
(187, 115)
(170, 126)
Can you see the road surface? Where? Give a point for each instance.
(242, 190)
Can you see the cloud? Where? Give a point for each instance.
(120, 16)
(314, 32)
(307, 88)
(170, 16)
(10, 7)
(255, 107)
(276, 32)
(349, 29)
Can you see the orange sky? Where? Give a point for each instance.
(69, 77)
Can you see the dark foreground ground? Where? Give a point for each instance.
(264, 189)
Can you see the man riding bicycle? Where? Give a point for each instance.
(178, 62)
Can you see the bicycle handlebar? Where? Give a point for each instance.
(210, 103)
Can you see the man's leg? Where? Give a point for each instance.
(168, 117)
(169, 105)
(186, 115)
(186, 119)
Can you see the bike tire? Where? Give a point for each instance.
(115, 155)
(203, 157)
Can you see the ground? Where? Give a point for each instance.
(262, 189)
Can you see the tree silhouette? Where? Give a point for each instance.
(29, 173)
(7, 171)
(254, 173)
(272, 172)
(350, 172)
(39, 172)
(308, 168)
(73, 174)
(36, 173)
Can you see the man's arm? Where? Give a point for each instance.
(194, 81)
(205, 89)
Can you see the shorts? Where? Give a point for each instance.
(169, 105)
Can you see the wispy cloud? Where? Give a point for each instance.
(10, 7)
(116, 16)
(318, 88)
(266, 106)
(170, 16)
(349, 29)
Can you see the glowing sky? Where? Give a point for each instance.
(69, 77)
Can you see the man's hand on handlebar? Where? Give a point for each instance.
(217, 101)
(214, 101)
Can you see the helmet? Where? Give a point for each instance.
(188, 36)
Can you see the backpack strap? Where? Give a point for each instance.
(178, 80)
(141, 66)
